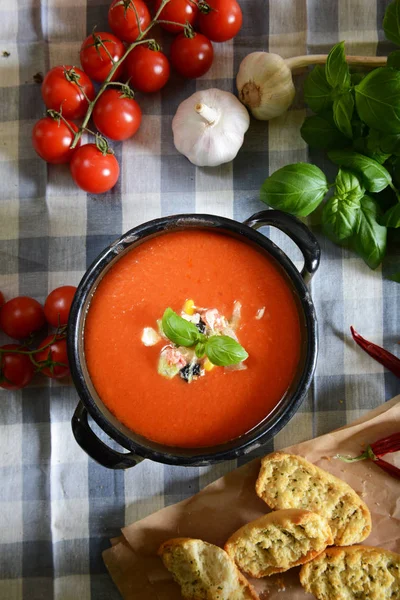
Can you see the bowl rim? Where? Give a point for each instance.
(241, 445)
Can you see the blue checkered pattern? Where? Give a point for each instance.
(58, 508)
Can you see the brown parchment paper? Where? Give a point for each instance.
(228, 503)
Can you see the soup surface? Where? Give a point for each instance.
(215, 270)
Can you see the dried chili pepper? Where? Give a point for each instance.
(375, 452)
(382, 356)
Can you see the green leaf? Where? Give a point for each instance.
(395, 277)
(200, 350)
(180, 331)
(320, 133)
(296, 189)
(361, 146)
(378, 100)
(348, 186)
(391, 22)
(223, 350)
(317, 91)
(370, 237)
(343, 107)
(393, 60)
(336, 67)
(386, 143)
(373, 175)
(391, 218)
(340, 216)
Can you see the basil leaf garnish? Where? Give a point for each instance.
(223, 351)
(200, 350)
(391, 22)
(321, 133)
(180, 331)
(317, 91)
(296, 189)
(378, 100)
(336, 67)
(391, 218)
(373, 175)
(343, 108)
(370, 237)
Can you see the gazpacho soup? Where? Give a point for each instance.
(192, 338)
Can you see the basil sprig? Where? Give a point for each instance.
(358, 123)
(221, 350)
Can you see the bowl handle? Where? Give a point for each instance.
(297, 231)
(95, 448)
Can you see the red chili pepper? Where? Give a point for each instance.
(375, 452)
(382, 356)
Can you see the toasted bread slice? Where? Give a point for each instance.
(355, 573)
(279, 541)
(290, 481)
(204, 571)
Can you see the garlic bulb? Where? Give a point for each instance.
(265, 85)
(209, 127)
(265, 82)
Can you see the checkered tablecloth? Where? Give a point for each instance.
(58, 508)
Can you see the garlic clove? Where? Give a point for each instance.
(209, 127)
(265, 85)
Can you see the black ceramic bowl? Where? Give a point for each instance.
(139, 447)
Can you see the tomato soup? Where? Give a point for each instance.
(216, 270)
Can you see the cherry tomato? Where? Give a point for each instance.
(122, 18)
(21, 316)
(222, 22)
(179, 11)
(1, 299)
(95, 58)
(58, 304)
(147, 69)
(191, 56)
(51, 139)
(61, 92)
(94, 171)
(116, 116)
(16, 370)
(54, 358)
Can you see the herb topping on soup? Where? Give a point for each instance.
(202, 338)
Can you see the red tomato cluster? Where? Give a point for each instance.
(20, 318)
(69, 94)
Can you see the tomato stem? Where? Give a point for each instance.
(107, 81)
(57, 116)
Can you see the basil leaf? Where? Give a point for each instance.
(223, 350)
(296, 189)
(373, 175)
(200, 350)
(395, 277)
(370, 237)
(348, 186)
(393, 60)
(340, 216)
(361, 146)
(336, 67)
(383, 142)
(378, 100)
(178, 330)
(320, 133)
(317, 91)
(391, 218)
(343, 108)
(391, 22)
